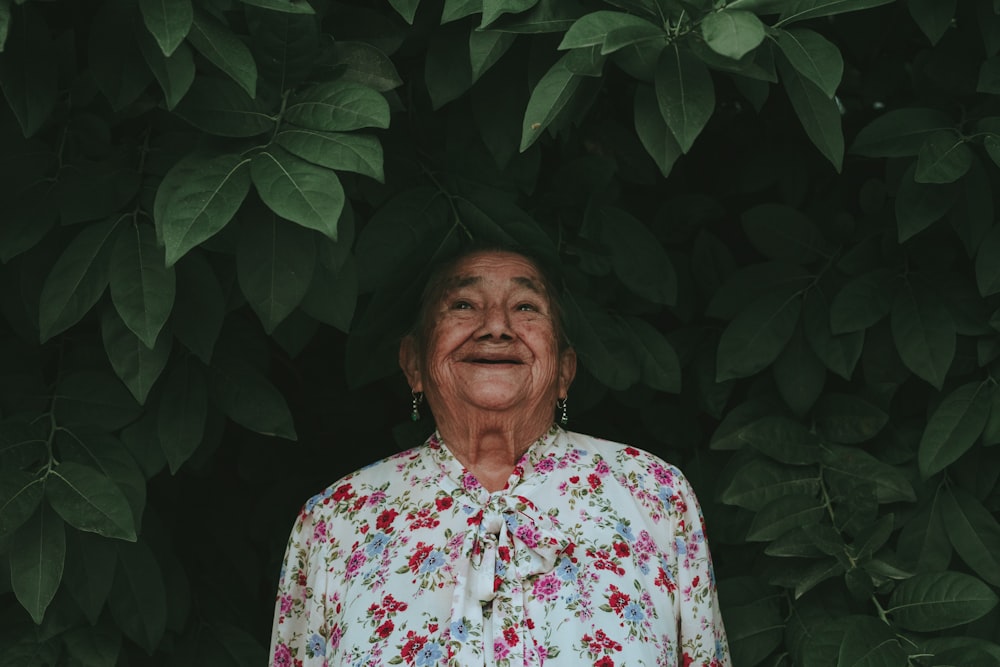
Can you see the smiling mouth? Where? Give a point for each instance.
(496, 362)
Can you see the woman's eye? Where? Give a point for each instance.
(461, 305)
(526, 307)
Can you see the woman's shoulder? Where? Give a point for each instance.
(631, 462)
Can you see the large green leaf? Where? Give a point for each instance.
(338, 107)
(134, 362)
(299, 191)
(168, 20)
(486, 47)
(754, 626)
(200, 308)
(37, 557)
(94, 398)
(548, 99)
(601, 343)
(183, 408)
(113, 56)
(810, 9)
(142, 286)
(929, 602)
(757, 336)
(77, 279)
(221, 108)
(862, 301)
(780, 232)
(493, 9)
(175, 73)
(197, 198)
(90, 570)
(919, 205)
(217, 43)
(759, 482)
(954, 426)
(848, 419)
(869, 642)
(610, 30)
(899, 132)
(94, 646)
(659, 366)
(20, 494)
(637, 257)
(944, 158)
(28, 72)
(799, 373)
(852, 465)
(343, 151)
(109, 456)
(933, 16)
(973, 531)
(90, 501)
(732, 33)
(275, 261)
(923, 540)
(814, 57)
(784, 440)
(250, 399)
(138, 599)
(784, 514)
(652, 129)
(333, 295)
(839, 352)
(924, 333)
(819, 115)
(685, 93)
(988, 263)
(366, 64)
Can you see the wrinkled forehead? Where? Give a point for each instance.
(495, 271)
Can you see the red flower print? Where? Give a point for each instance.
(605, 661)
(504, 553)
(385, 519)
(385, 629)
(575, 479)
(419, 556)
(343, 492)
(359, 502)
(622, 549)
(414, 643)
(687, 659)
(443, 503)
(632, 451)
(695, 582)
(510, 636)
(593, 480)
(432, 627)
(618, 600)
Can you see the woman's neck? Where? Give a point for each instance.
(490, 451)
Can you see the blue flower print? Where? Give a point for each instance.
(429, 654)
(377, 545)
(633, 612)
(459, 631)
(434, 560)
(316, 645)
(680, 546)
(511, 521)
(625, 531)
(566, 570)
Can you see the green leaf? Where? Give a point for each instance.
(174, 73)
(20, 494)
(298, 191)
(601, 344)
(781, 232)
(658, 363)
(225, 50)
(338, 107)
(732, 33)
(448, 65)
(90, 501)
(799, 374)
(95, 398)
(142, 287)
(138, 599)
(988, 263)
(77, 279)
(333, 295)
(899, 132)
(810, 9)
(757, 336)
(934, 17)
(4, 23)
(923, 540)
(285, 6)
(274, 265)
(852, 464)
(862, 302)
(365, 64)
(548, 98)
(930, 602)
(610, 30)
(183, 409)
(819, 115)
(784, 514)
(90, 570)
(652, 129)
(37, 557)
(754, 626)
(814, 57)
(954, 426)
(137, 365)
(249, 399)
(359, 153)
(459, 9)
(221, 108)
(94, 647)
(754, 281)
(168, 21)
(637, 257)
(919, 205)
(109, 456)
(989, 76)
(784, 440)
(494, 9)
(924, 333)
(197, 198)
(201, 306)
(869, 642)
(973, 531)
(486, 47)
(113, 57)
(685, 93)
(406, 8)
(848, 419)
(29, 73)
(839, 352)
(759, 482)
(944, 158)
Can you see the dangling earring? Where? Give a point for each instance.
(418, 398)
(563, 415)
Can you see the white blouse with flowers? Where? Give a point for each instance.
(593, 554)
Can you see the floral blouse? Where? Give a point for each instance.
(593, 554)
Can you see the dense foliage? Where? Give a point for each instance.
(776, 220)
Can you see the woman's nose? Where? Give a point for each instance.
(496, 323)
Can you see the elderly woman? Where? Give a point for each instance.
(503, 539)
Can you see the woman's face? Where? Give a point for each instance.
(492, 343)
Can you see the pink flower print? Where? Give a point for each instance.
(528, 535)
(286, 604)
(547, 587)
(500, 650)
(357, 560)
(319, 531)
(282, 656)
(376, 498)
(602, 468)
(546, 465)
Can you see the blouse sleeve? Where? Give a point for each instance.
(298, 636)
(701, 633)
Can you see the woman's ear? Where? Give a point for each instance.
(567, 370)
(409, 361)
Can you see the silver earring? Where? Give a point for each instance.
(563, 414)
(418, 398)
